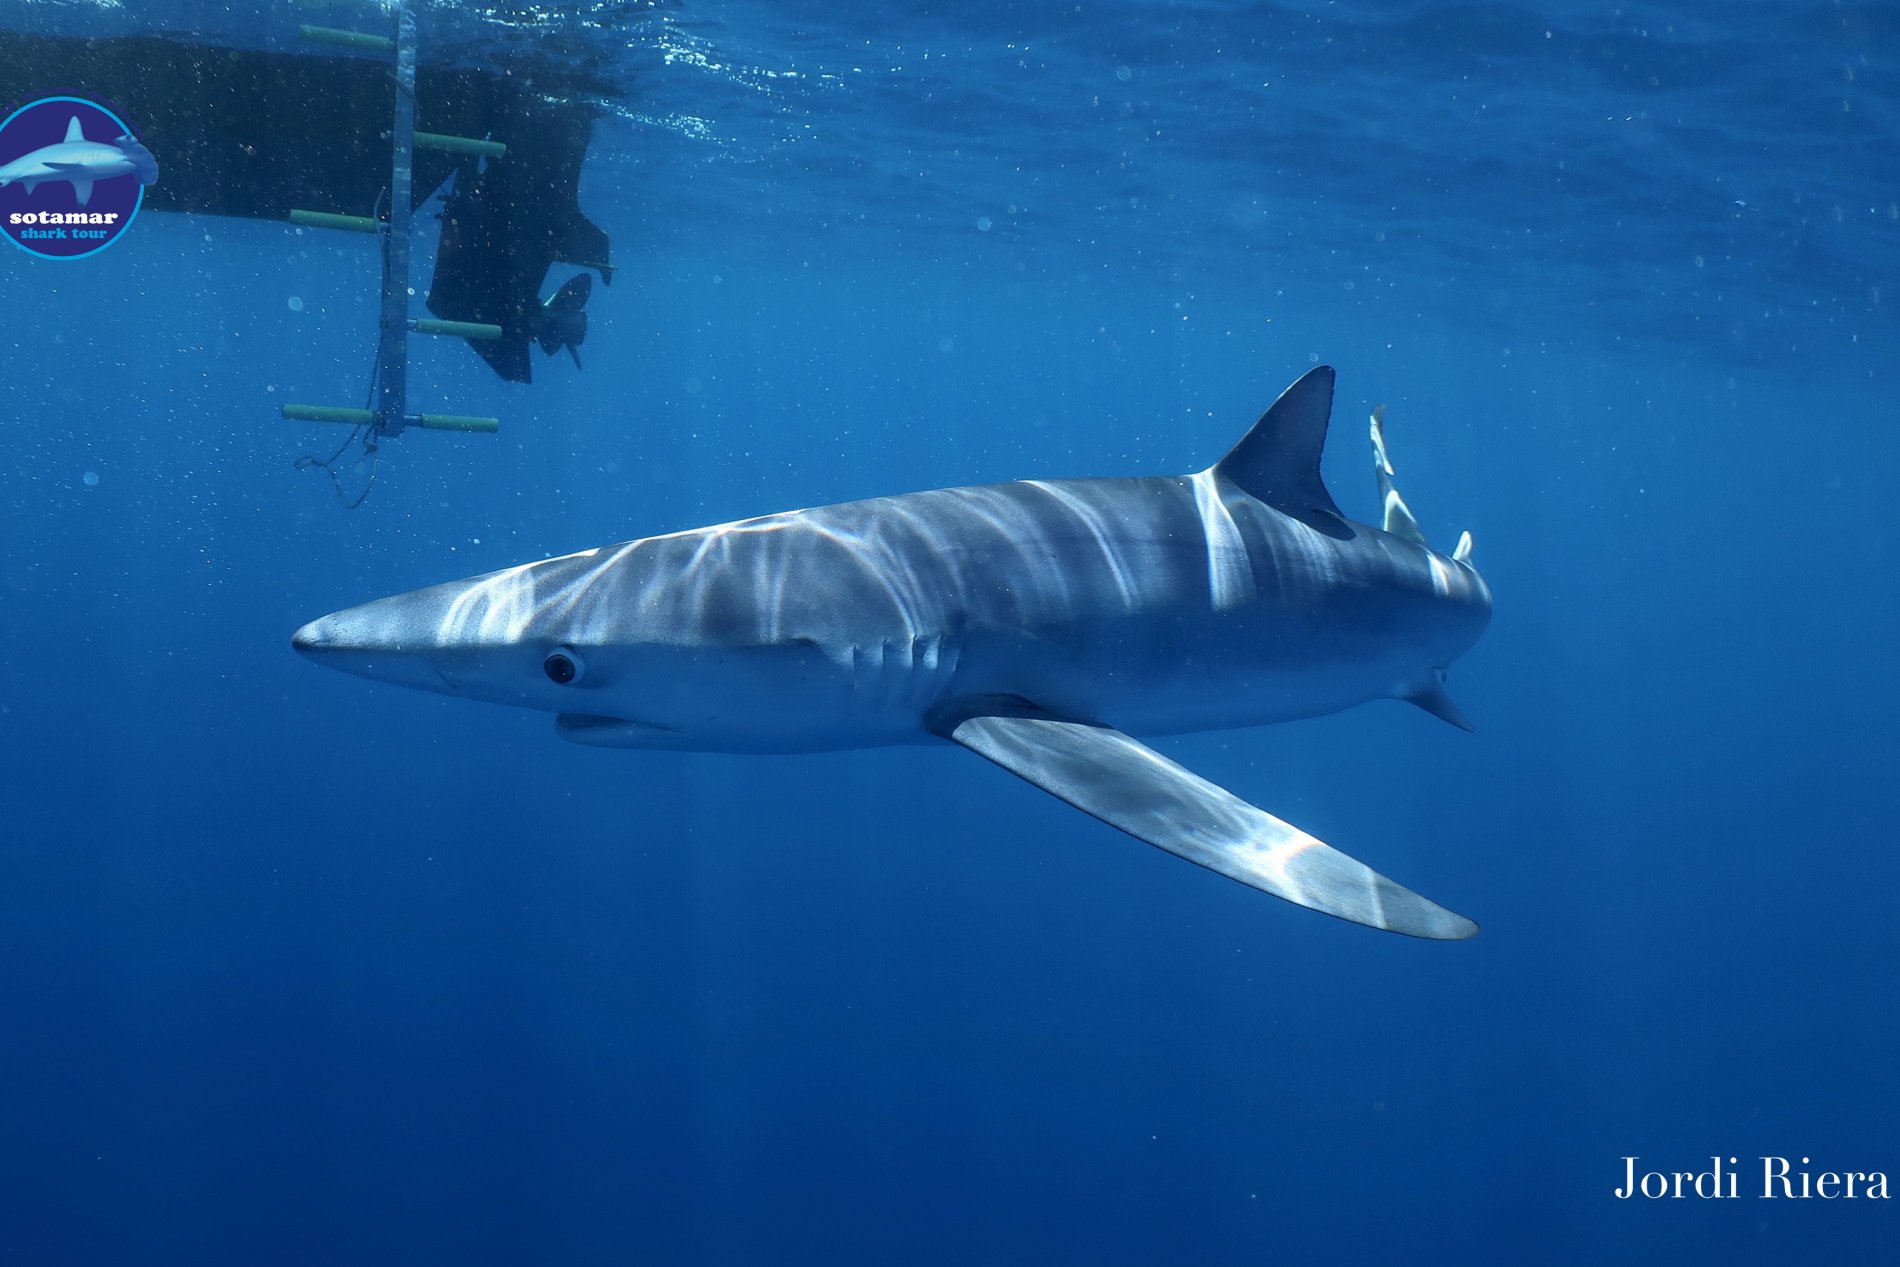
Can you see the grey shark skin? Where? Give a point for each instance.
(81, 162)
(1036, 623)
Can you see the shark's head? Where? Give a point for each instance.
(454, 639)
(604, 638)
(144, 166)
(536, 636)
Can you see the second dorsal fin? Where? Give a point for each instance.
(1277, 461)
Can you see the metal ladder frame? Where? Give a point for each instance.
(394, 324)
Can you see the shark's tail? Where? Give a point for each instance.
(1398, 517)
(144, 166)
(1400, 522)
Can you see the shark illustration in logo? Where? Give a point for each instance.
(81, 162)
(1037, 624)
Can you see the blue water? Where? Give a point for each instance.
(297, 969)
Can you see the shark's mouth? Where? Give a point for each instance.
(608, 732)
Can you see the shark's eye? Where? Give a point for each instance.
(564, 666)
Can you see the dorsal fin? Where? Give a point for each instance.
(1277, 461)
(74, 132)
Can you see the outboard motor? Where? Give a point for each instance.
(562, 321)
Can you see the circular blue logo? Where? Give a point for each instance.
(72, 177)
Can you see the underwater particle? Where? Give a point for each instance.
(1124, 74)
(296, 303)
(982, 224)
(90, 479)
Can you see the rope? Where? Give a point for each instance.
(367, 436)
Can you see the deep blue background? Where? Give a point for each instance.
(296, 969)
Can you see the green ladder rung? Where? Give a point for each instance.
(457, 329)
(455, 422)
(330, 413)
(368, 417)
(460, 144)
(346, 39)
(331, 220)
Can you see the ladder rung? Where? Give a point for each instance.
(367, 417)
(329, 413)
(346, 39)
(459, 329)
(331, 220)
(454, 422)
(460, 144)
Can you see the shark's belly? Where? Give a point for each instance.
(1161, 674)
(794, 696)
(1173, 675)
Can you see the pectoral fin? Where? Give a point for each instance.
(82, 190)
(1105, 773)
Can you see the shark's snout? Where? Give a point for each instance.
(312, 639)
(329, 637)
(351, 644)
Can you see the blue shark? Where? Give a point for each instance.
(1041, 624)
(80, 162)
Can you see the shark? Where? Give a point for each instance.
(1040, 624)
(80, 163)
